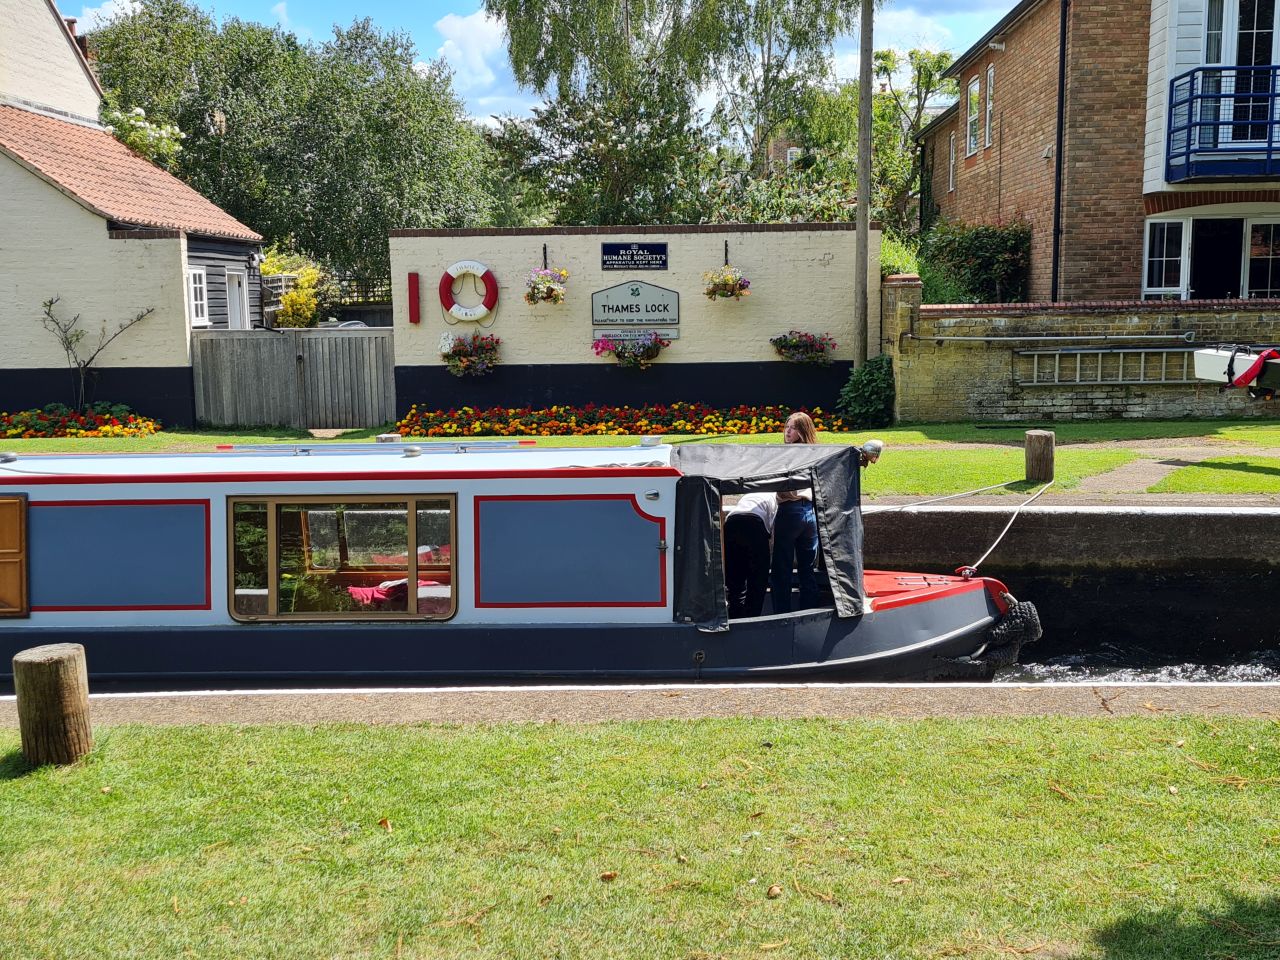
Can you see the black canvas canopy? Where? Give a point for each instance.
(710, 471)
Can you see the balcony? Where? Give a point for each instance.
(1223, 124)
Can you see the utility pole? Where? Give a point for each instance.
(862, 258)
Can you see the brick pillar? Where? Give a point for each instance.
(900, 297)
(901, 294)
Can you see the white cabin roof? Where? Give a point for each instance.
(301, 459)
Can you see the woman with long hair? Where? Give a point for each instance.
(795, 532)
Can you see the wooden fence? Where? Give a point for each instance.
(340, 379)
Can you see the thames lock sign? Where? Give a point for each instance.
(635, 302)
(633, 256)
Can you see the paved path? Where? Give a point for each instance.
(685, 702)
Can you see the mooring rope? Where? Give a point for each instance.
(972, 569)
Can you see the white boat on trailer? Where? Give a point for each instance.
(459, 561)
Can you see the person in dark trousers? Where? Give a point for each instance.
(747, 528)
(795, 532)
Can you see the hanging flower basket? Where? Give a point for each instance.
(637, 353)
(726, 282)
(797, 346)
(545, 286)
(470, 356)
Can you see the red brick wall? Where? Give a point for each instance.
(1102, 205)
(1012, 180)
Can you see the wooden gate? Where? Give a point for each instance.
(339, 379)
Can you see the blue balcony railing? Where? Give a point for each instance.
(1223, 124)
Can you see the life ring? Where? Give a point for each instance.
(473, 268)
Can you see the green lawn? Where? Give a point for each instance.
(942, 472)
(1224, 475)
(1136, 839)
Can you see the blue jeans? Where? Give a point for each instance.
(795, 538)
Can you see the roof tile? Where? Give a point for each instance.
(104, 175)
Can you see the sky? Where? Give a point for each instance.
(473, 44)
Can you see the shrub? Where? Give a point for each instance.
(941, 287)
(471, 356)
(897, 256)
(59, 420)
(867, 397)
(991, 263)
(800, 347)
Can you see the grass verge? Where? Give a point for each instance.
(1134, 838)
(1225, 475)
(938, 473)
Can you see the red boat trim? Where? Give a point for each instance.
(924, 595)
(208, 557)
(558, 604)
(556, 473)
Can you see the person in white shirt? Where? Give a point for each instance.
(795, 532)
(747, 528)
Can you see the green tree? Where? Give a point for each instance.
(636, 155)
(330, 144)
(779, 49)
(827, 124)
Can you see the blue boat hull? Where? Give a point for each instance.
(920, 641)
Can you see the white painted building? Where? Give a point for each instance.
(105, 232)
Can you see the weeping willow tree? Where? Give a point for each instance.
(559, 45)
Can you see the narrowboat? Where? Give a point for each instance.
(460, 561)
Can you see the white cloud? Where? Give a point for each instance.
(91, 18)
(474, 47)
(281, 12)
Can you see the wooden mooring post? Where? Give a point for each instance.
(52, 684)
(1039, 451)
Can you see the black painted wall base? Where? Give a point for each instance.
(165, 393)
(575, 384)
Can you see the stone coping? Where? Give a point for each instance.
(1173, 308)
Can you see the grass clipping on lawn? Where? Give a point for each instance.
(1124, 838)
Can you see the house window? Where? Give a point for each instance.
(197, 298)
(303, 558)
(973, 100)
(1165, 255)
(991, 101)
(793, 155)
(951, 164)
(1264, 261)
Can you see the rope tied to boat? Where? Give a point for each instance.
(970, 571)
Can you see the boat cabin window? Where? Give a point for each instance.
(325, 559)
(13, 557)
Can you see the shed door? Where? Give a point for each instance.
(13, 556)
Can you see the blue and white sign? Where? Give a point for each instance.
(633, 256)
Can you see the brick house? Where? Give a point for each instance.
(1137, 140)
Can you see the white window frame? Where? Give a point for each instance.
(1179, 292)
(1249, 224)
(794, 154)
(973, 117)
(991, 102)
(198, 308)
(951, 164)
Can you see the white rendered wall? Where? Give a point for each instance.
(52, 246)
(800, 279)
(38, 62)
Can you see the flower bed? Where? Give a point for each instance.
(565, 421)
(59, 420)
